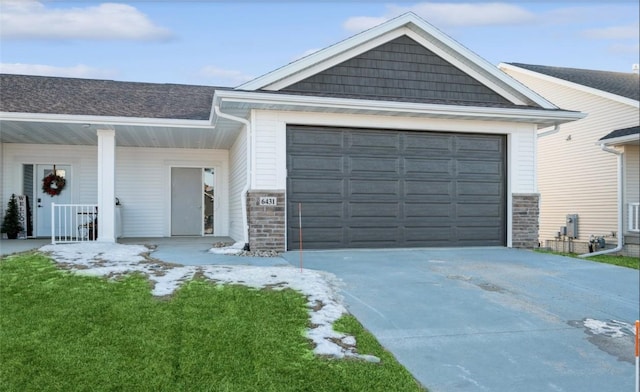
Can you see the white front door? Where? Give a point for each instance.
(44, 200)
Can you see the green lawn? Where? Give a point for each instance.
(622, 261)
(63, 332)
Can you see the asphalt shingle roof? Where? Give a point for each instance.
(55, 95)
(621, 133)
(623, 84)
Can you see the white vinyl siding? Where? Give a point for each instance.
(237, 182)
(143, 185)
(574, 175)
(143, 180)
(632, 178)
(83, 161)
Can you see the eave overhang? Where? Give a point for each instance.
(242, 102)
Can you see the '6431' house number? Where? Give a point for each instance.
(268, 201)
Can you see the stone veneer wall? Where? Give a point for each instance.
(525, 220)
(266, 222)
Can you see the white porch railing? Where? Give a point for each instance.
(73, 223)
(634, 209)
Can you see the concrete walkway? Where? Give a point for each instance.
(493, 319)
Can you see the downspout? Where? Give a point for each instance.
(556, 129)
(620, 217)
(245, 190)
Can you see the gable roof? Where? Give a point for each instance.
(90, 97)
(423, 33)
(623, 84)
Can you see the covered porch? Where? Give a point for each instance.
(132, 177)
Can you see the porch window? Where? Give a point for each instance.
(634, 208)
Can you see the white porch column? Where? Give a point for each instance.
(106, 185)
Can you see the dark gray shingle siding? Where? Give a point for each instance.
(623, 84)
(53, 95)
(399, 70)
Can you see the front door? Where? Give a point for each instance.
(186, 201)
(44, 200)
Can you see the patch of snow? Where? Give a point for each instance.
(613, 328)
(228, 250)
(320, 288)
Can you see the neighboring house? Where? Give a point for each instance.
(575, 174)
(396, 137)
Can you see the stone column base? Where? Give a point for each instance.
(266, 213)
(525, 220)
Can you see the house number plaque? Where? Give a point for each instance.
(268, 201)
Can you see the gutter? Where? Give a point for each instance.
(556, 129)
(618, 248)
(245, 190)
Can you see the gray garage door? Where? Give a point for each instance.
(361, 188)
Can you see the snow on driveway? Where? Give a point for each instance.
(320, 288)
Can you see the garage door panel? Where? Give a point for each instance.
(372, 166)
(428, 235)
(313, 209)
(322, 164)
(316, 238)
(479, 210)
(428, 167)
(421, 143)
(370, 235)
(475, 168)
(480, 144)
(375, 210)
(428, 188)
(317, 139)
(317, 188)
(428, 210)
(374, 141)
(478, 188)
(395, 188)
(374, 189)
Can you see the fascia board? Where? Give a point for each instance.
(103, 120)
(576, 86)
(399, 108)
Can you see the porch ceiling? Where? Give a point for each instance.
(222, 136)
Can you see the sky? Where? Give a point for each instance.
(226, 43)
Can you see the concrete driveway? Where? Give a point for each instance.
(493, 319)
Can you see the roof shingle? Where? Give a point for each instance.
(55, 95)
(623, 84)
(621, 132)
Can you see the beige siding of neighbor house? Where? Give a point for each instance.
(632, 175)
(574, 175)
(237, 182)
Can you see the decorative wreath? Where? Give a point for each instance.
(53, 184)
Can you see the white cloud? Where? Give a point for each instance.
(361, 23)
(450, 14)
(77, 71)
(224, 76)
(613, 32)
(29, 19)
